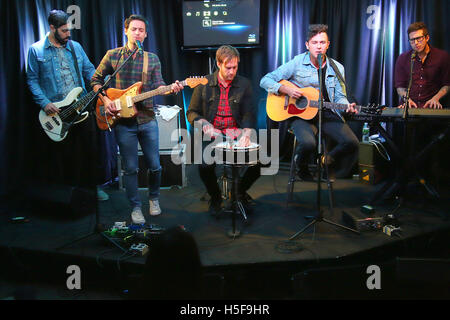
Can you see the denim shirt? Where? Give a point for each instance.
(44, 74)
(303, 73)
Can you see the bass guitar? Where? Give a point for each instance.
(280, 107)
(57, 125)
(125, 100)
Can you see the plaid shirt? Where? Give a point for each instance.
(224, 120)
(129, 75)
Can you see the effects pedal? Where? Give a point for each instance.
(140, 248)
(391, 230)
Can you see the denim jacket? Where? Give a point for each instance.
(44, 76)
(302, 72)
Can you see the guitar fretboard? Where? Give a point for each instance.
(330, 105)
(75, 107)
(156, 92)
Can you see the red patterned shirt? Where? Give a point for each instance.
(224, 120)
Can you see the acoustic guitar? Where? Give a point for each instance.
(280, 107)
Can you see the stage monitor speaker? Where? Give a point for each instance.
(56, 199)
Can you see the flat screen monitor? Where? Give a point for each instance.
(212, 23)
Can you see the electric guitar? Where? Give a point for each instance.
(281, 107)
(57, 125)
(125, 100)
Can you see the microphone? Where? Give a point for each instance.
(319, 58)
(139, 45)
(413, 55)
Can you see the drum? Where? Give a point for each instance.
(226, 153)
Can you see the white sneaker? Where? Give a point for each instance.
(137, 217)
(154, 207)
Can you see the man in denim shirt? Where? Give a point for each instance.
(303, 72)
(51, 75)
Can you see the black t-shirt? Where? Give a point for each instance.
(327, 113)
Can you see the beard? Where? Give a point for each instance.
(60, 40)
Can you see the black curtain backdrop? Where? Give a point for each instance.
(366, 43)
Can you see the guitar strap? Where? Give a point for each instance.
(72, 50)
(344, 85)
(145, 68)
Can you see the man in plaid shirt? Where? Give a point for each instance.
(224, 106)
(144, 127)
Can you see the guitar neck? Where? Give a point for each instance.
(82, 102)
(331, 105)
(156, 92)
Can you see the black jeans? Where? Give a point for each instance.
(209, 177)
(332, 127)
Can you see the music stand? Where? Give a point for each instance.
(98, 228)
(319, 217)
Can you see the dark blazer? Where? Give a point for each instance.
(205, 101)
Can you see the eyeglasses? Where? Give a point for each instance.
(418, 39)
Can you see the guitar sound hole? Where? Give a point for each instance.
(301, 103)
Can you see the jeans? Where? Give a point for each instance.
(128, 133)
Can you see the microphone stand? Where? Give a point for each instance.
(97, 228)
(402, 176)
(406, 107)
(319, 217)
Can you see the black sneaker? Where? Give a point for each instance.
(305, 175)
(215, 206)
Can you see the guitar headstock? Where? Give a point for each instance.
(195, 81)
(372, 108)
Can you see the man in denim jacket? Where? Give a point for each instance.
(303, 72)
(51, 75)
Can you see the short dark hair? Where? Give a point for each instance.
(315, 29)
(136, 17)
(57, 18)
(227, 52)
(416, 26)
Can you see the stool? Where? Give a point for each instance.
(227, 180)
(293, 178)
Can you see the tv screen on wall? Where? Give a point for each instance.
(212, 23)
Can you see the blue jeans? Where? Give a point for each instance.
(128, 133)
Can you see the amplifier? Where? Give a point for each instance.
(360, 222)
(372, 168)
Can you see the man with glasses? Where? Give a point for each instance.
(430, 83)
(431, 70)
